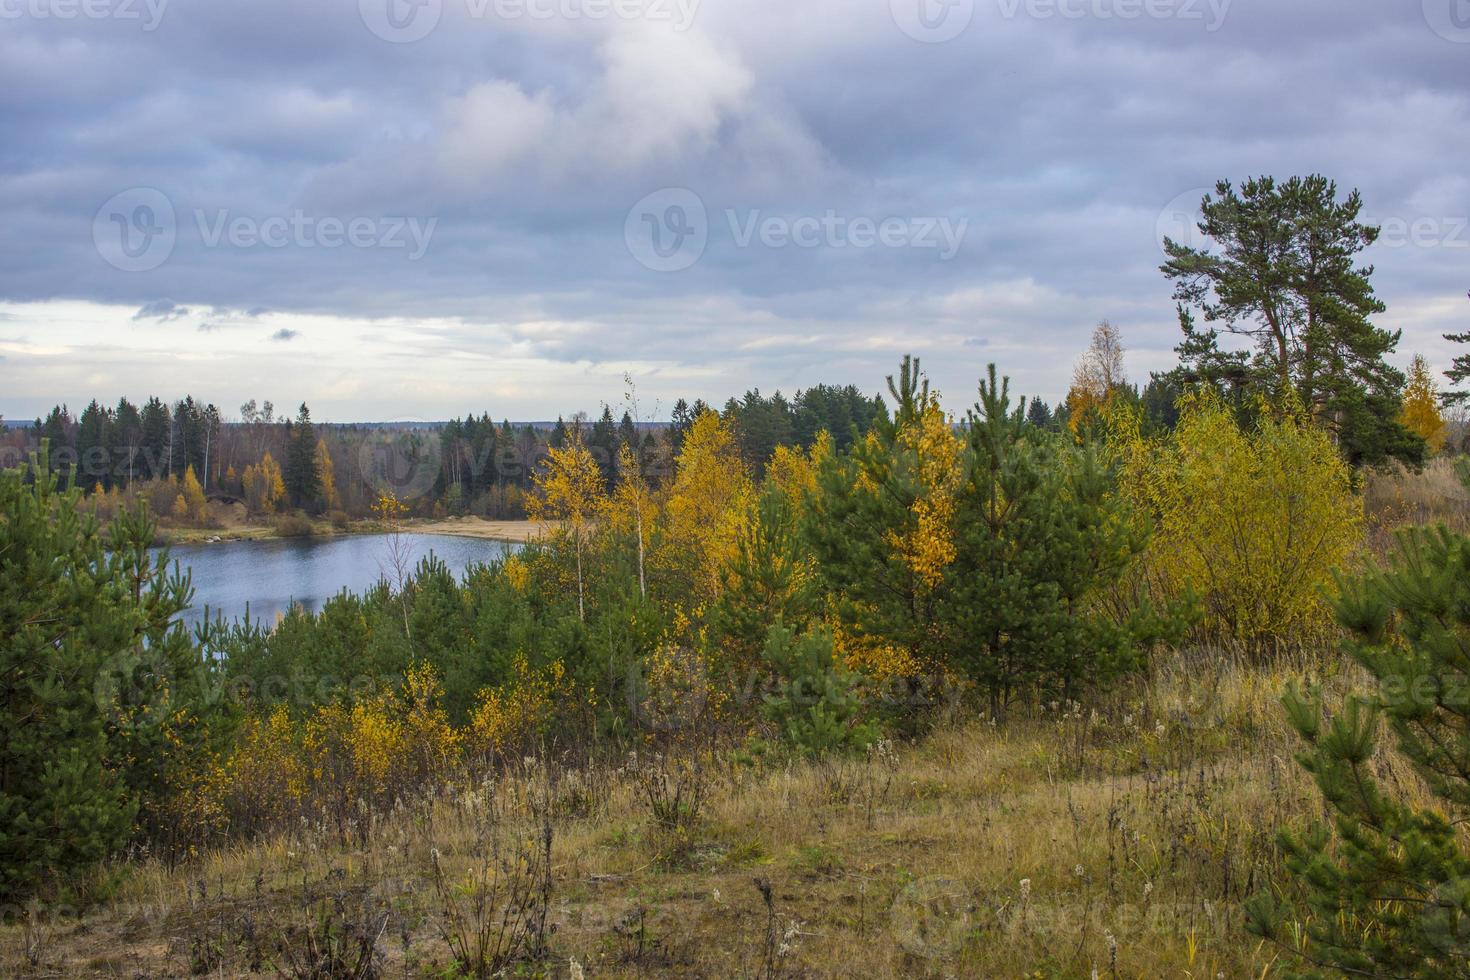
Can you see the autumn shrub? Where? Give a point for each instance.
(1253, 521)
(293, 526)
(341, 762)
(507, 720)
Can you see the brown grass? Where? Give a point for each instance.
(1118, 837)
(1394, 497)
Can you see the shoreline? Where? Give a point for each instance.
(518, 532)
(478, 527)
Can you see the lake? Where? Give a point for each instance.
(274, 574)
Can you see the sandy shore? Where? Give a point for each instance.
(476, 527)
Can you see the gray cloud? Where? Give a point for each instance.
(1058, 140)
(285, 334)
(161, 309)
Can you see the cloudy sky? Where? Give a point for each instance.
(401, 209)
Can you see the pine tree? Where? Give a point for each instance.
(1386, 891)
(155, 425)
(880, 527)
(602, 443)
(127, 439)
(1041, 532)
(1459, 369)
(1281, 273)
(94, 675)
(94, 445)
(770, 580)
(816, 704)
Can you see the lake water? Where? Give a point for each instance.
(272, 575)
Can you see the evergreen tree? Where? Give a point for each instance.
(127, 439)
(816, 704)
(58, 431)
(1040, 532)
(602, 442)
(627, 431)
(302, 475)
(155, 424)
(94, 446)
(1038, 414)
(1386, 891)
(93, 675)
(1459, 369)
(769, 581)
(1160, 403)
(1283, 276)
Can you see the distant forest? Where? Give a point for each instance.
(191, 462)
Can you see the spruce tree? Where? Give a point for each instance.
(1385, 892)
(302, 475)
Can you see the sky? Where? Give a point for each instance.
(414, 209)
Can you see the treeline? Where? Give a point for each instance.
(190, 464)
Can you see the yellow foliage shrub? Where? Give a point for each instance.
(1253, 522)
(507, 718)
(517, 573)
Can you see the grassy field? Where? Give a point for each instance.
(1111, 841)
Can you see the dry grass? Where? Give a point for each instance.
(1117, 838)
(1394, 497)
